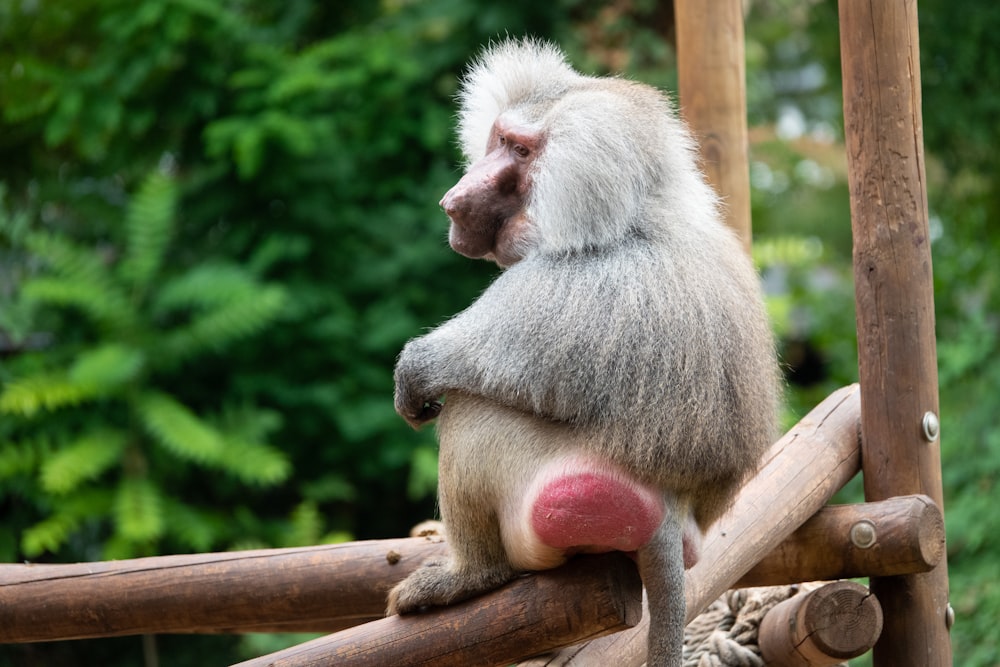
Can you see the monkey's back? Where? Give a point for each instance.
(657, 353)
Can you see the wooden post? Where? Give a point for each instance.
(895, 303)
(712, 90)
(825, 626)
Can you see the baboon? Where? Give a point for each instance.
(617, 383)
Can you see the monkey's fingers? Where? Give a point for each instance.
(430, 410)
(425, 413)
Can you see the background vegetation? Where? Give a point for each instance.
(219, 224)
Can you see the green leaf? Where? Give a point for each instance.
(178, 429)
(20, 458)
(307, 525)
(48, 535)
(26, 396)
(203, 287)
(234, 320)
(107, 367)
(197, 529)
(138, 510)
(82, 460)
(67, 259)
(150, 225)
(51, 533)
(104, 305)
(255, 463)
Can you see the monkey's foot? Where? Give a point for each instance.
(437, 584)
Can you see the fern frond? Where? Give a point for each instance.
(67, 259)
(105, 305)
(26, 396)
(150, 224)
(81, 461)
(306, 525)
(138, 510)
(19, 458)
(196, 529)
(256, 463)
(234, 320)
(203, 287)
(107, 367)
(178, 430)
(49, 534)
(247, 422)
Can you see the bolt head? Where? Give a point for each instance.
(863, 534)
(931, 426)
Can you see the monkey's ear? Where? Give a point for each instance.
(504, 76)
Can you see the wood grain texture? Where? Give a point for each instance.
(897, 354)
(586, 598)
(908, 534)
(711, 78)
(311, 588)
(822, 627)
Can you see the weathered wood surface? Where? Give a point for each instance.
(311, 588)
(711, 77)
(586, 598)
(880, 59)
(822, 627)
(328, 588)
(902, 535)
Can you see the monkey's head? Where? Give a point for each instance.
(559, 162)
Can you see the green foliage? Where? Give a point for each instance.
(81, 461)
(95, 433)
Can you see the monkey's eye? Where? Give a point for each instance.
(502, 140)
(521, 150)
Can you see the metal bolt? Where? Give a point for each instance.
(863, 534)
(949, 617)
(932, 427)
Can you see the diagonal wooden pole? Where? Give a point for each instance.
(897, 358)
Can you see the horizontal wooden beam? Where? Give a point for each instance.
(902, 535)
(320, 588)
(586, 598)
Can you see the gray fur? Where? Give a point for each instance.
(632, 328)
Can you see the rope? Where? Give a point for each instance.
(725, 634)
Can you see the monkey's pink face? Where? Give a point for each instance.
(487, 206)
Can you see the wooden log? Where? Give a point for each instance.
(880, 59)
(901, 535)
(823, 627)
(711, 77)
(331, 587)
(311, 588)
(586, 598)
(798, 476)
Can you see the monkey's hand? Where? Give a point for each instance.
(415, 400)
(417, 415)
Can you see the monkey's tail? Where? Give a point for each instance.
(661, 566)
